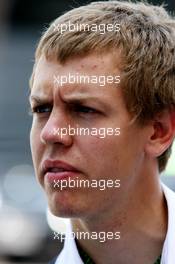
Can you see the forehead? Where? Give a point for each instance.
(92, 65)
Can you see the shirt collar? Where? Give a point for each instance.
(168, 253)
(69, 253)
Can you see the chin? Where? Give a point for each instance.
(62, 204)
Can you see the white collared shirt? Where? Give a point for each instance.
(70, 255)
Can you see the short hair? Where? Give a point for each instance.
(146, 42)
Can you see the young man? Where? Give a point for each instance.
(107, 69)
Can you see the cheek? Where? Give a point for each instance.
(101, 155)
(35, 145)
(110, 157)
(32, 139)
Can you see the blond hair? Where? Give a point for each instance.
(146, 42)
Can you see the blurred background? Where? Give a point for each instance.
(26, 226)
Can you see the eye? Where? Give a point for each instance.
(84, 109)
(40, 109)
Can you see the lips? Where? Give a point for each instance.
(56, 166)
(56, 169)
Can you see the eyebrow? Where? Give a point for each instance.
(84, 100)
(38, 99)
(76, 99)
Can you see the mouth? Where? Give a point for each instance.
(57, 170)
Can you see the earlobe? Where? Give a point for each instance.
(162, 135)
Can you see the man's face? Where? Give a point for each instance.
(85, 106)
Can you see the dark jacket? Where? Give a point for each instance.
(53, 261)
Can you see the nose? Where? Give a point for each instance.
(55, 130)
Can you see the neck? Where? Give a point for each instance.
(141, 221)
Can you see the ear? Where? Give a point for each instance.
(162, 133)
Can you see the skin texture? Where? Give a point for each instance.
(137, 209)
